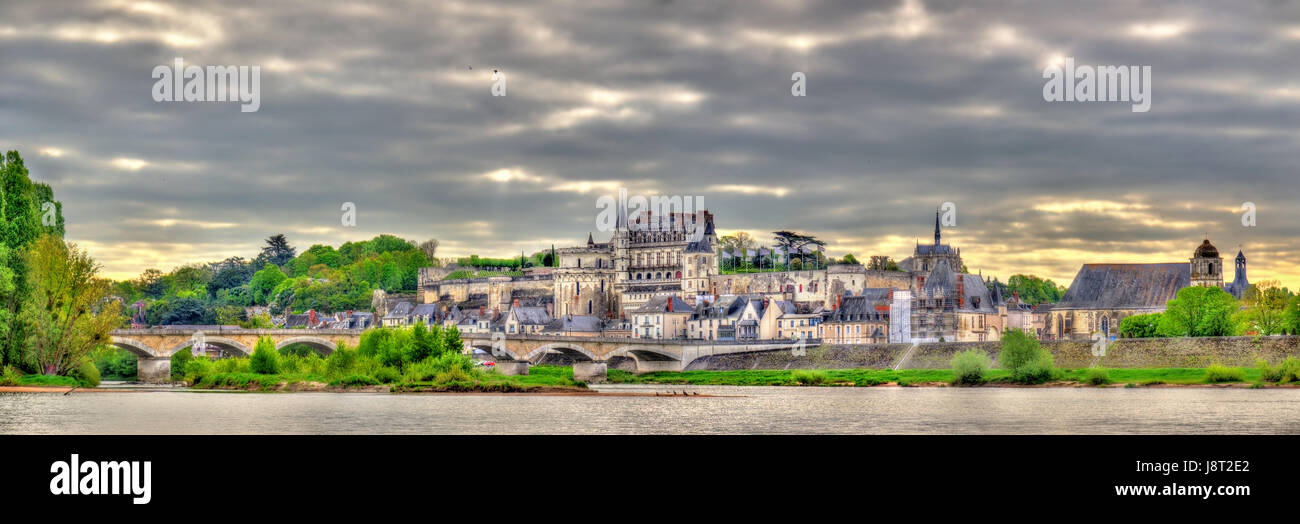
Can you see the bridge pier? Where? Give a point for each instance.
(589, 372)
(155, 370)
(512, 368)
(649, 366)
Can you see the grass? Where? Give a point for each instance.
(875, 377)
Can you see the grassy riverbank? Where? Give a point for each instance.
(539, 379)
(916, 377)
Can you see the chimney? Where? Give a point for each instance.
(961, 291)
(670, 304)
(1016, 295)
(482, 310)
(839, 300)
(515, 303)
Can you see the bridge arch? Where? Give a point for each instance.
(570, 349)
(322, 346)
(220, 342)
(136, 347)
(641, 352)
(486, 347)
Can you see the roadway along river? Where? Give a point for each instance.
(745, 410)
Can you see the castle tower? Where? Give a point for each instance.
(621, 242)
(1239, 283)
(1207, 266)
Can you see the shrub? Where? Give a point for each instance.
(358, 380)
(1097, 376)
(196, 369)
(969, 367)
(453, 375)
(265, 360)
(1037, 371)
(387, 375)
(179, 359)
(1289, 371)
(809, 377)
(1216, 373)
(1268, 373)
(10, 376)
(341, 361)
(86, 374)
(116, 364)
(1018, 349)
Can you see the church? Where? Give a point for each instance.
(1102, 295)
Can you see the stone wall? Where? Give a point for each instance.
(1123, 353)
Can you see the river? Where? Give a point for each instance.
(730, 410)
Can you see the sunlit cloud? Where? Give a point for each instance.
(128, 164)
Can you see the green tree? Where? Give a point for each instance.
(265, 359)
(67, 308)
(277, 250)
(1140, 326)
(1199, 311)
(1265, 308)
(264, 283)
(422, 344)
(451, 342)
(20, 225)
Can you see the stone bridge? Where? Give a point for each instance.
(633, 354)
(155, 346)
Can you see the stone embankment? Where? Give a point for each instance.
(1122, 353)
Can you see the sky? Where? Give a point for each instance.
(389, 106)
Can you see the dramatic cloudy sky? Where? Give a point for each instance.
(911, 104)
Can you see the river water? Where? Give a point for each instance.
(732, 410)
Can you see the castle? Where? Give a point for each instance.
(664, 269)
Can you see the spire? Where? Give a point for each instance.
(590, 241)
(936, 227)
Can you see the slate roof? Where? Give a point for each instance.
(855, 309)
(660, 305)
(429, 311)
(401, 310)
(531, 315)
(703, 245)
(583, 323)
(1126, 286)
(929, 249)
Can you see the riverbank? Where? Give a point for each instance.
(1115, 377)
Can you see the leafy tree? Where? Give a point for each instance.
(20, 225)
(1034, 290)
(451, 340)
(264, 282)
(1265, 310)
(422, 343)
(189, 311)
(277, 250)
(1199, 312)
(1140, 326)
(67, 308)
(229, 273)
(265, 359)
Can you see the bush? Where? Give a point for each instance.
(179, 359)
(116, 364)
(265, 360)
(1018, 349)
(1216, 373)
(10, 376)
(86, 374)
(341, 360)
(969, 367)
(358, 380)
(1028, 362)
(387, 375)
(197, 368)
(808, 377)
(1097, 376)
(1037, 371)
(1268, 373)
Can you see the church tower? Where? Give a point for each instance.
(1239, 283)
(1207, 266)
(621, 242)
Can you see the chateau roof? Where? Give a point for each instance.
(1125, 286)
(584, 323)
(660, 305)
(531, 315)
